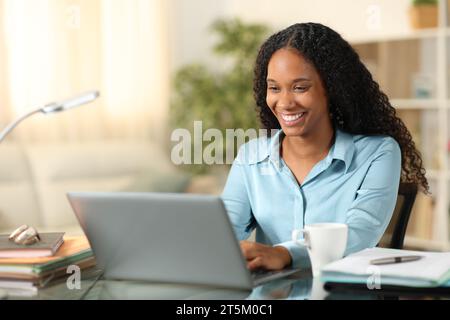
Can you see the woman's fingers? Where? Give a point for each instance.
(256, 263)
(250, 250)
(261, 256)
(258, 256)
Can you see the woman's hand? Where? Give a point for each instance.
(260, 256)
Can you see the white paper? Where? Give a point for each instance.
(433, 266)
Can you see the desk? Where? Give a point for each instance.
(300, 286)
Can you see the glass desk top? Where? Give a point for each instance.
(300, 286)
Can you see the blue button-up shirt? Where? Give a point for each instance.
(356, 184)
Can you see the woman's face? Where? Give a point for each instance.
(295, 94)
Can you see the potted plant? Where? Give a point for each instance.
(220, 99)
(424, 14)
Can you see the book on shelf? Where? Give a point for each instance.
(46, 247)
(432, 270)
(35, 273)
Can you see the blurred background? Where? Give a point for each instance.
(160, 65)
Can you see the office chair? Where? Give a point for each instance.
(396, 230)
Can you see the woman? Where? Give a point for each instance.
(338, 157)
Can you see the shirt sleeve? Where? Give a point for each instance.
(299, 254)
(237, 203)
(371, 211)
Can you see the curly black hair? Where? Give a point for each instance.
(355, 101)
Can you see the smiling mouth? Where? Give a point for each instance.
(292, 118)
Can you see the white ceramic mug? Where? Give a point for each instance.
(326, 242)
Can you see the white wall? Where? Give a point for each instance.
(354, 19)
(189, 21)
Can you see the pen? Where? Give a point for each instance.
(395, 260)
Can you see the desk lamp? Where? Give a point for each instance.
(24, 234)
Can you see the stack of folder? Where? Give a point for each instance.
(31, 274)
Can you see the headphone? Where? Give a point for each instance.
(25, 235)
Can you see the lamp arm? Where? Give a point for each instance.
(54, 107)
(10, 127)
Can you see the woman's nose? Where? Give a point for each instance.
(286, 99)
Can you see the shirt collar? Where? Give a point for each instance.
(342, 149)
(275, 147)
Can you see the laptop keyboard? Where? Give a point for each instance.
(262, 276)
(263, 273)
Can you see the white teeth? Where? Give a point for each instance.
(290, 118)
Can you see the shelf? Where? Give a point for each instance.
(433, 174)
(436, 174)
(409, 104)
(416, 103)
(406, 35)
(395, 60)
(426, 244)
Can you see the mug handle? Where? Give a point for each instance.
(306, 238)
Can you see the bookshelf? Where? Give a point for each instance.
(412, 68)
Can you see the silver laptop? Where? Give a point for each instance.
(177, 238)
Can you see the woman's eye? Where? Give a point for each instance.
(271, 88)
(301, 88)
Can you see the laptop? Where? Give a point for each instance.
(176, 238)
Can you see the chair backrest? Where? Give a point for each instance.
(396, 230)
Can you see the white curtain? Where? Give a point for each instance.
(53, 49)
